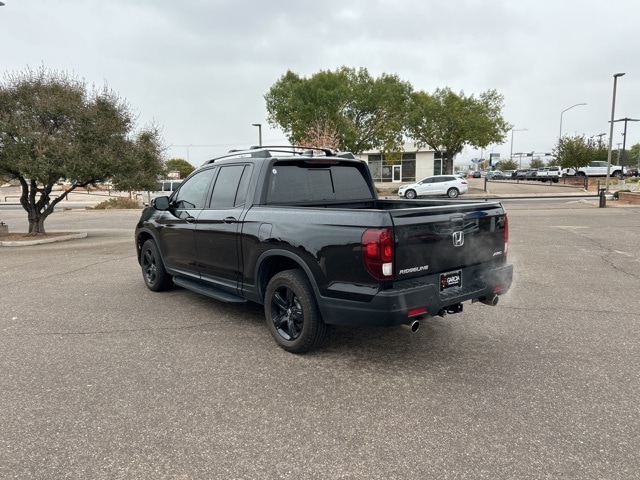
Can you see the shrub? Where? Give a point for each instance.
(118, 202)
(616, 193)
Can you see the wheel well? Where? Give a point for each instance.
(143, 237)
(270, 267)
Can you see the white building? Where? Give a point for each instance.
(414, 165)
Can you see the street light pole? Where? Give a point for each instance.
(259, 125)
(562, 112)
(613, 114)
(514, 130)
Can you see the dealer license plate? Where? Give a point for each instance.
(450, 280)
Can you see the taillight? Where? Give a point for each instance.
(506, 234)
(377, 252)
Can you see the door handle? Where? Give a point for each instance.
(230, 220)
(190, 219)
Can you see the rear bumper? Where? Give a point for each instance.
(392, 307)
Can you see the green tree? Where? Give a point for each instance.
(508, 165)
(364, 112)
(578, 151)
(447, 121)
(536, 163)
(179, 165)
(53, 127)
(633, 156)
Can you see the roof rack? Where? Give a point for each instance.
(266, 151)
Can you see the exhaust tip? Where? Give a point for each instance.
(411, 326)
(492, 301)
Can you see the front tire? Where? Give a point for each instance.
(155, 275)
(410, 194)
(291, 313)
(453, 193)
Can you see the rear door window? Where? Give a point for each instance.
(231, 186)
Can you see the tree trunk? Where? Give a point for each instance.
(36, 227)
(38, 209)
(36, 221)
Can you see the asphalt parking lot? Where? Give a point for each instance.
(101, 378)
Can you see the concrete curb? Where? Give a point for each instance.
(24, 243)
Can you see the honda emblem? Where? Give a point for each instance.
(458, 239)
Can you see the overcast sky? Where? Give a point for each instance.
(200, 69)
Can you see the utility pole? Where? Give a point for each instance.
(624, 141)
(613, 110)
(600, 135)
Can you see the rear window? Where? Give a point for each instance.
(301, 182)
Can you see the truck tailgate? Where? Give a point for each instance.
(428, 241)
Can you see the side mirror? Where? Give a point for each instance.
(161, 203)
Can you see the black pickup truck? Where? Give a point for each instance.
(304, 234)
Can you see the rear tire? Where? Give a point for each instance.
(453, 193)
(291, 312)
(155, 275)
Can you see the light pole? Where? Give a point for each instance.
(514, 130)
(188, 147)
(613, 113)
(562, 112)
(259, 125)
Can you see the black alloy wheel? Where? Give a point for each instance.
(155, 276)
(291, 313)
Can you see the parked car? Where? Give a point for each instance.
(552, 173)
(633, 172)
(449, 185)
(599, 168)
(477, 174)
(496, 175)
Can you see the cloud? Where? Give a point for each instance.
(200, 69)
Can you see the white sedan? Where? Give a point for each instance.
(449, 185)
